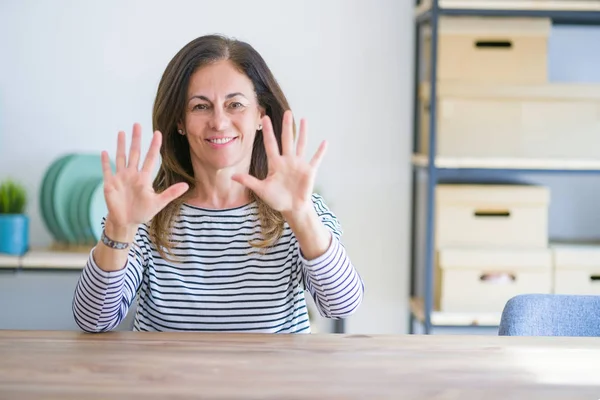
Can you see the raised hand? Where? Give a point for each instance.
(289, 184)
(129, 195)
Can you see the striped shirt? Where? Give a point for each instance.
(219, 282)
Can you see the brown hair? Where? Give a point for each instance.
(169, 109)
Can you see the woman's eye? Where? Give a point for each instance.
(200, 107)
(236, 105)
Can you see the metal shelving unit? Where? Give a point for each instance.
(436, 169)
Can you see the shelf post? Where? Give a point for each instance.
(414, 172)
(431, 169)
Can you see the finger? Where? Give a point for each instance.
(153, 153)
(316, 160)
(269, 140)
(121, 162)
(301, 139)
(171, 193)
(287, 136)
(134, 151)
(106, 168)
(249, 181)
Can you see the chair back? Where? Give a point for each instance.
(551, 315)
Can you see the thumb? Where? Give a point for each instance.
(171, 193)
(249, 181)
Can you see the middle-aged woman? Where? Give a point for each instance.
(229, 235)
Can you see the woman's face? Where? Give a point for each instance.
(221, 118)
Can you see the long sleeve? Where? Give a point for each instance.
(332, 280)
(102, 299)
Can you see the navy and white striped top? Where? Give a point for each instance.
(219, 282)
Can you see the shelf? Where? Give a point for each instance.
(562, 11)
(45, 259)
(509, 164)
(486, 169)
(9, 262)
(54, 260)
(453, 319)
(529, 5)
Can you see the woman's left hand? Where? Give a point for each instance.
(289, 184)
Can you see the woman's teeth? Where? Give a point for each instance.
(221, 140)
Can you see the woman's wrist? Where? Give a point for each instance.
(119, 233)
(313, 237)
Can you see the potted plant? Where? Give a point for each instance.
(14, 224)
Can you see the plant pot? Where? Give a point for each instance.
(14, 234)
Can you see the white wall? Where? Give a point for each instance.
(73, 73)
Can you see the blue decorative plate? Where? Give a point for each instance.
(84, 209)
(97, 210)
(46, 201)
(70, 180)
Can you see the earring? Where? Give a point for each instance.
(180, 132)
(260, 127)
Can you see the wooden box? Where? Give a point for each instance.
(491, 216)
(490, 49)
(550, 121)
(483, 280)
(577, 269)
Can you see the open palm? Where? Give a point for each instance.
(289, 183)
(130, 197)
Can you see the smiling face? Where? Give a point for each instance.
(221, 118)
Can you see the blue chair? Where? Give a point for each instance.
(551, 315)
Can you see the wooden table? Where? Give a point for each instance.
(72, 365)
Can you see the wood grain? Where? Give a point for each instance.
(72, 365)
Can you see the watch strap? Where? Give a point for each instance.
(113, 244)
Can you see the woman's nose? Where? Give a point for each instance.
(219, 120)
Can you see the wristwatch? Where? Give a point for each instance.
(113, 244)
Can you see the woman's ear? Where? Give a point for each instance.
(261, 115)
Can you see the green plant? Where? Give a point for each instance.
(13, 198)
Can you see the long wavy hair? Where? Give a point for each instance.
(169, 110)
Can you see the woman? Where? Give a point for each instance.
(229, 234)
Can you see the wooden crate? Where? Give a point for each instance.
(490, 49)
(558, 121)
(576, 269)
(491, 216)
(483, 280)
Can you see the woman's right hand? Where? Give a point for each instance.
(130, 197)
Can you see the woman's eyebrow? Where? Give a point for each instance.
(229, 96)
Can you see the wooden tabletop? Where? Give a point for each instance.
(72, 365)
